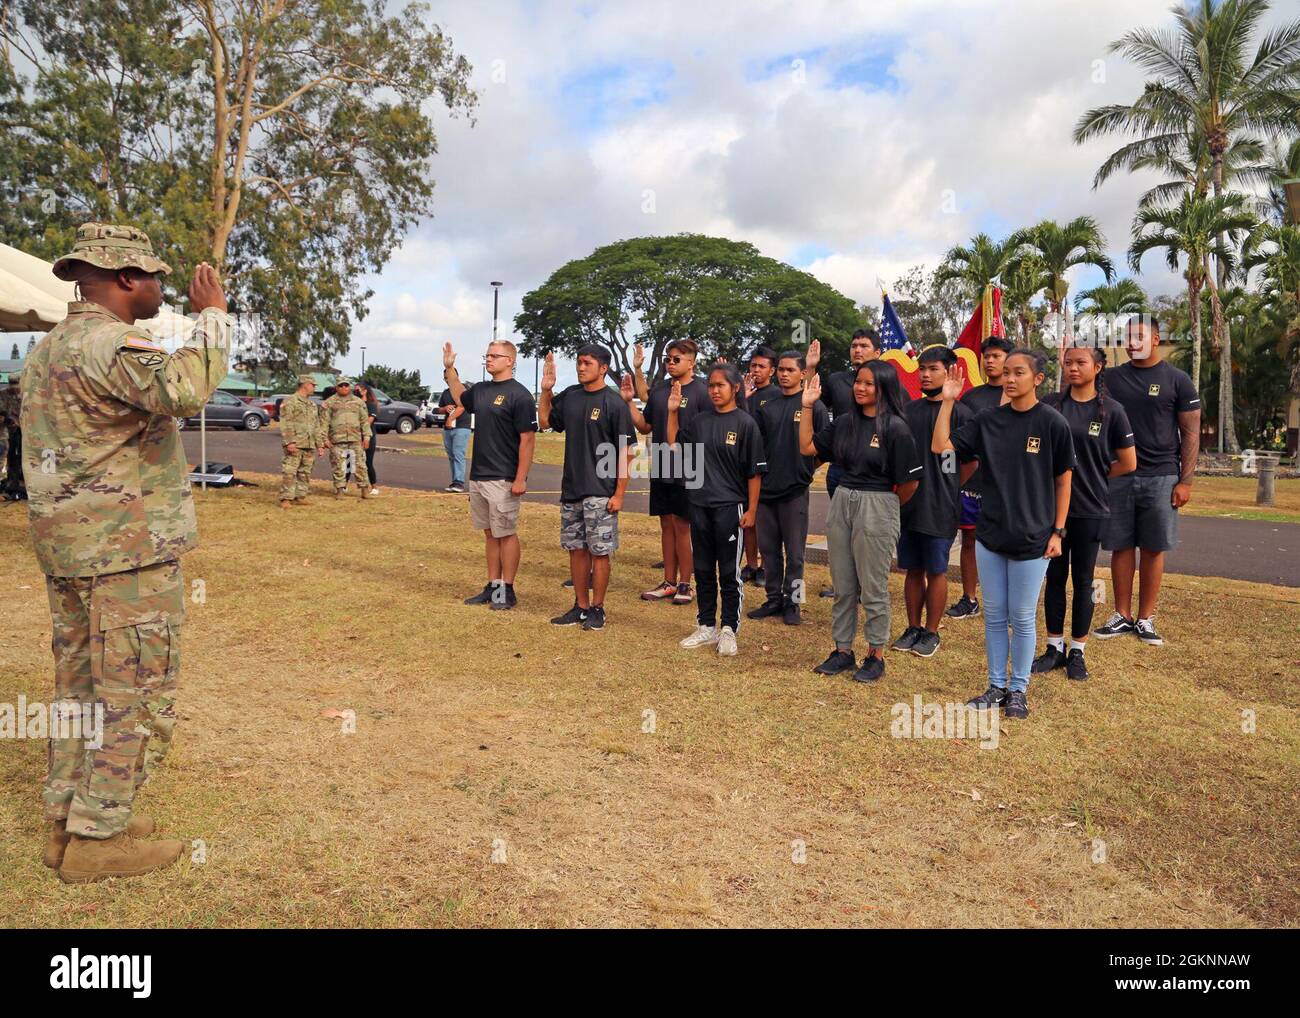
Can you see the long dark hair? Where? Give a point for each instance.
(889, 403)
(1055, 399)
(732, 374)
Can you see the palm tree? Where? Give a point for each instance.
(1285, 165)
(1022, 281)
(1206, 85)
(1277, 250)
(976, 266)
(1123, 297)
(1195, 229)
(1190, 168)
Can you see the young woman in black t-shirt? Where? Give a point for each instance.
(1026, 457)
(879, 471)
(1103, 448)
(729, 448)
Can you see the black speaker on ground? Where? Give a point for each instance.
(213, 468)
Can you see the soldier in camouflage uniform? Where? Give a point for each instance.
(10, 403)
(111, 513)
(345, 423)
(301, 435)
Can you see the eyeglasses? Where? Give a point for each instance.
(673, 360)
(489, 356)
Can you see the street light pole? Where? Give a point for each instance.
(496, 304)
(363, 360)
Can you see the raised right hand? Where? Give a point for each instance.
(814, 355)
(954, 383)
(812, 390)
(626, 389)
(448, 356)
(548, 372)
(205, 289)
(675, 398)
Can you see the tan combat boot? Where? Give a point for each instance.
(285, 503)
(137, 827)
(121, 855)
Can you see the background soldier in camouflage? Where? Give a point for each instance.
(10, 403)
(111, 513)
(300, 432)
(346, 425)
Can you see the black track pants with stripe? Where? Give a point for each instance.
(717, 548)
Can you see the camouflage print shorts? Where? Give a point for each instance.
(588, 524)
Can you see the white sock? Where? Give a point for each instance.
(1076, 645)
(1058, 642)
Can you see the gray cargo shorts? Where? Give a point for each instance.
(1142, 514)
(588, 524)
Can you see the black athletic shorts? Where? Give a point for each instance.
(668, 499)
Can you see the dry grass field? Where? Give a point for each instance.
(1134, 799)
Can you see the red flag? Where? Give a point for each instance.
(985, 322)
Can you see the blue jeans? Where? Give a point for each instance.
(456, 441)
(1011, 588)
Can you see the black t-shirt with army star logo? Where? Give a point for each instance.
(695, 400)
(1021, 453)
(597, 428)
(502, 412)
(839, 390)
(869, 461)
(1153, 398)
(761, 397)
(935, 508)
(977, 400)
(788, 473)
(1096, 441)
(733, 453)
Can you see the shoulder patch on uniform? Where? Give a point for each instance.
(133, 342)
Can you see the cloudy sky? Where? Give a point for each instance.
(851, 139)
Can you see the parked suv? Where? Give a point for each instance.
(394, 414)
(225, 410)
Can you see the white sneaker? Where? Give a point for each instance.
(727, 642)
(704, 636)
(374, 492)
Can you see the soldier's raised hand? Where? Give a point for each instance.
(205, 289)
(812, 391)
(448, 356)
(954, 383)
(548, 372)
(814, 355)
(638, 356)
(626, 389)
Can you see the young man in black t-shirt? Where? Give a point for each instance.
(505, 423)
(668, 470)
(599, 443)
(725, 500)
(759, 388)
(783, 504)
(929, 520)
(993, 357)
(1164, 409)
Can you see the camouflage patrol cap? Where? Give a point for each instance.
(110, 247)
(343, 380)
(304, 379)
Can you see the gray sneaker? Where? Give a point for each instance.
(908, 639)
(925, 644)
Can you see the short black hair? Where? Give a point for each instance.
(870, 334)
(1036, 357)
(730, 370)
(937, 352)
(766, 352)
(595, 351)
(793, 355)
(998, 343)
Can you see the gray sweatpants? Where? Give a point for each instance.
(861, 535)
(782, 536)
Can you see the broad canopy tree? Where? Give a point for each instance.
(652, 290)
(286, 141)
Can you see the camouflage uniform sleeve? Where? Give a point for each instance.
(137, 371)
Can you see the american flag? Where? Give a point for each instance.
(892, 334)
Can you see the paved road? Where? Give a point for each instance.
(1253, 550)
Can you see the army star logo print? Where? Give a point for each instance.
(1033, 444)
(595, 413)
(731, 438)
(1094, 428)
(1153, 389)
(499, 400)
(875, 441)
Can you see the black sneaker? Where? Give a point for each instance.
(568, 582)
(965, 608)
(766, 610)
(595, 618)
(791, 615)
(760, 577)
(872, 669)
(1146, 632)
(839, 661)
(484, 596)
(455, 488)
(1048, 661)
(658, 565)
(1116, 625)
(926, 644)
(908, 638)
(747, 574)
(573, 617)
(504, 600)
(1014, 706)
(992, 697)
(1075, 666)
(827, 592)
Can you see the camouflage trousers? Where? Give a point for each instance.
(116, 642)
(295, 473)
(349, 458)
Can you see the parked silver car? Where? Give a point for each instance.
(227, 411)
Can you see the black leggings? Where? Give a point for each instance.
(716, 547)
(1079, 550)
